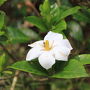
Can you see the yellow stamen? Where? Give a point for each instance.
(46, 45)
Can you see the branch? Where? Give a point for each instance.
(30, 4)
(15, 80)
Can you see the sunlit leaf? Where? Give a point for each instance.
(32, 67)
(74, 69)
(84, 58)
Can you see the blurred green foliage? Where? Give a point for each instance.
(23, 22)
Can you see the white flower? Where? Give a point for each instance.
(52, 48)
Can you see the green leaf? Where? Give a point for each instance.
(2, 15)
(84, 58)
(2, 33)
(38, 22)
(60, 26)
(75, 30)
(56, 13)
(74, 69)
(81, 17)
(32, 67)
(45, 8)
(68, 12)
(2, 1)
(30, 33)
(3, 61)
(16, 36)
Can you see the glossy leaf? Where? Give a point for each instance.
(84, 58)
(74, 69)
(32, 67)
(38, 22)
(60, 26)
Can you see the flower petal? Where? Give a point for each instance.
(62, 49)
(36, 43)
(67, 44)
(33, 53)
(60, 56)
(46, 60)
(61, 53)
(53, 36)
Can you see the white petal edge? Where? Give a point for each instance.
(36, 43)
(53, 36)
(46, 60)
(62, 49)
(33, 53)
(60, 56)
(67, 44)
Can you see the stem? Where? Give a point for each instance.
(31, 5)
(58, 3)
(15, 80)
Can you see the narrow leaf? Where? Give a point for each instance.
(69, 12)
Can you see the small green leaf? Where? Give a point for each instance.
(3, 61)
(38, 22)
(45, 8)
(32, 67)
(74, 69)
(69, 12)
(2, 15)
(60, 26)
(84, 58)
(16, 36)
(2, 1)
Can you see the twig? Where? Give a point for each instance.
(30, 4)
(58, 2)
(15, 80)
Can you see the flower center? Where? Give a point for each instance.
(47, 45)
